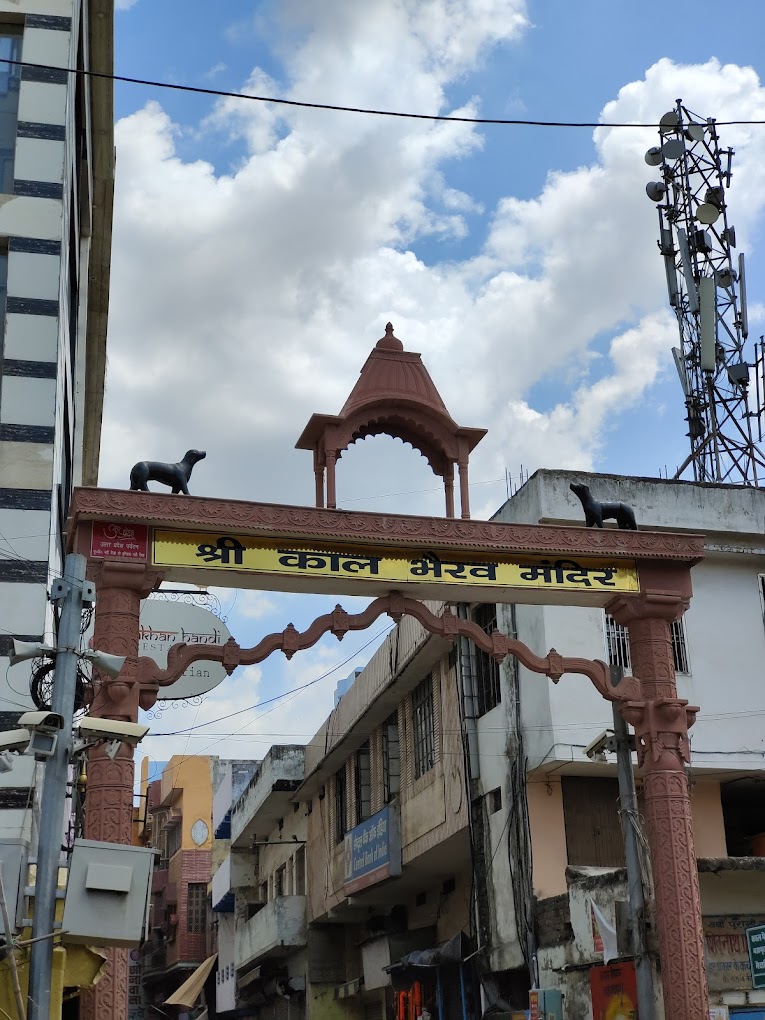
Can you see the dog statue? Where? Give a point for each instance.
(595, 513)
(175, 475)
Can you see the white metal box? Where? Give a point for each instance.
(107, 896)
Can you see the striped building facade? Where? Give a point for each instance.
(56, 190)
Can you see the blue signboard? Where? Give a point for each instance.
(373, 850)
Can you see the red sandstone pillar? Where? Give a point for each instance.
(464, 491)
(319, 476)
(331, 495)
(109, 792)
(661, 722)
(449, 488)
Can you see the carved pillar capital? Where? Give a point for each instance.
(661, 731)
(135, 577)
(661, 605)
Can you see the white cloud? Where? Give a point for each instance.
(243, 302)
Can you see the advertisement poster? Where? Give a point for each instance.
(614, 992)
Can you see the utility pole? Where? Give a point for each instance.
(70, 591)
(628, 804)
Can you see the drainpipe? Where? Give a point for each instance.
(467, 693)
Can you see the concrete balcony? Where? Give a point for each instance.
(276, 930)
(237, 874)
(268, 795)
(222, 889)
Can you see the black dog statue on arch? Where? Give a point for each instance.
(595, 513)
(175, 475)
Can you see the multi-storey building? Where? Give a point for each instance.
(230, 778)
(56, 177)
(556, 838)
(351, 858)
(178, 823)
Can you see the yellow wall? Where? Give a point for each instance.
(188, 783)
(548, 836)
(708, 825)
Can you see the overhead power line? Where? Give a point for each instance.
(304, 104)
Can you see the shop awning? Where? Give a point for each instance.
(457, 949)
(191, 988)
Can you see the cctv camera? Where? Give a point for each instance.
(596, 749)
(48, 722)
(14, 740)
(112, 729)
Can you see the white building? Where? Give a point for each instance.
(57, 161)
(543, 792)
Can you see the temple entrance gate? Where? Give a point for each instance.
(135, 540)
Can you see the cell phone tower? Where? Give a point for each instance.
(723, 390)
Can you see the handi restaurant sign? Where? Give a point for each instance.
(244, 553)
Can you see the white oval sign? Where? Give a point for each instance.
(164, 624)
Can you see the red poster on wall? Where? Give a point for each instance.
(613, 989)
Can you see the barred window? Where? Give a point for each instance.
(341, 817)
(618, 645)
(486, 669)
(391, 754)
(196, 907)
(363, 783)
(423, 726)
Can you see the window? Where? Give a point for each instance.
(618, 646)
(422, 725)
(280, 881)
(10, 49)
(485, 669)
(391, 758)
(300, 872)
(196, 907)
(591, 817)
(173, 840)
(341, 818)
(495, 801)
(363, 783)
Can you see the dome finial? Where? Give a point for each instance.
(389, 342)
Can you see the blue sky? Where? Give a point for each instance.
(258, 252)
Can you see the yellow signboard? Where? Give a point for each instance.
(239, 553)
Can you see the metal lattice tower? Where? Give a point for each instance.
(707, 289)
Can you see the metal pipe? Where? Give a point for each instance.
(628, 803)
(467, 693)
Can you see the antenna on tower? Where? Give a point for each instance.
(708, 295)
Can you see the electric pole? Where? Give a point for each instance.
(70, 591)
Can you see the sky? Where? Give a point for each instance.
(259, 251)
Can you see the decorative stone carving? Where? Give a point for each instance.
(310, 523)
